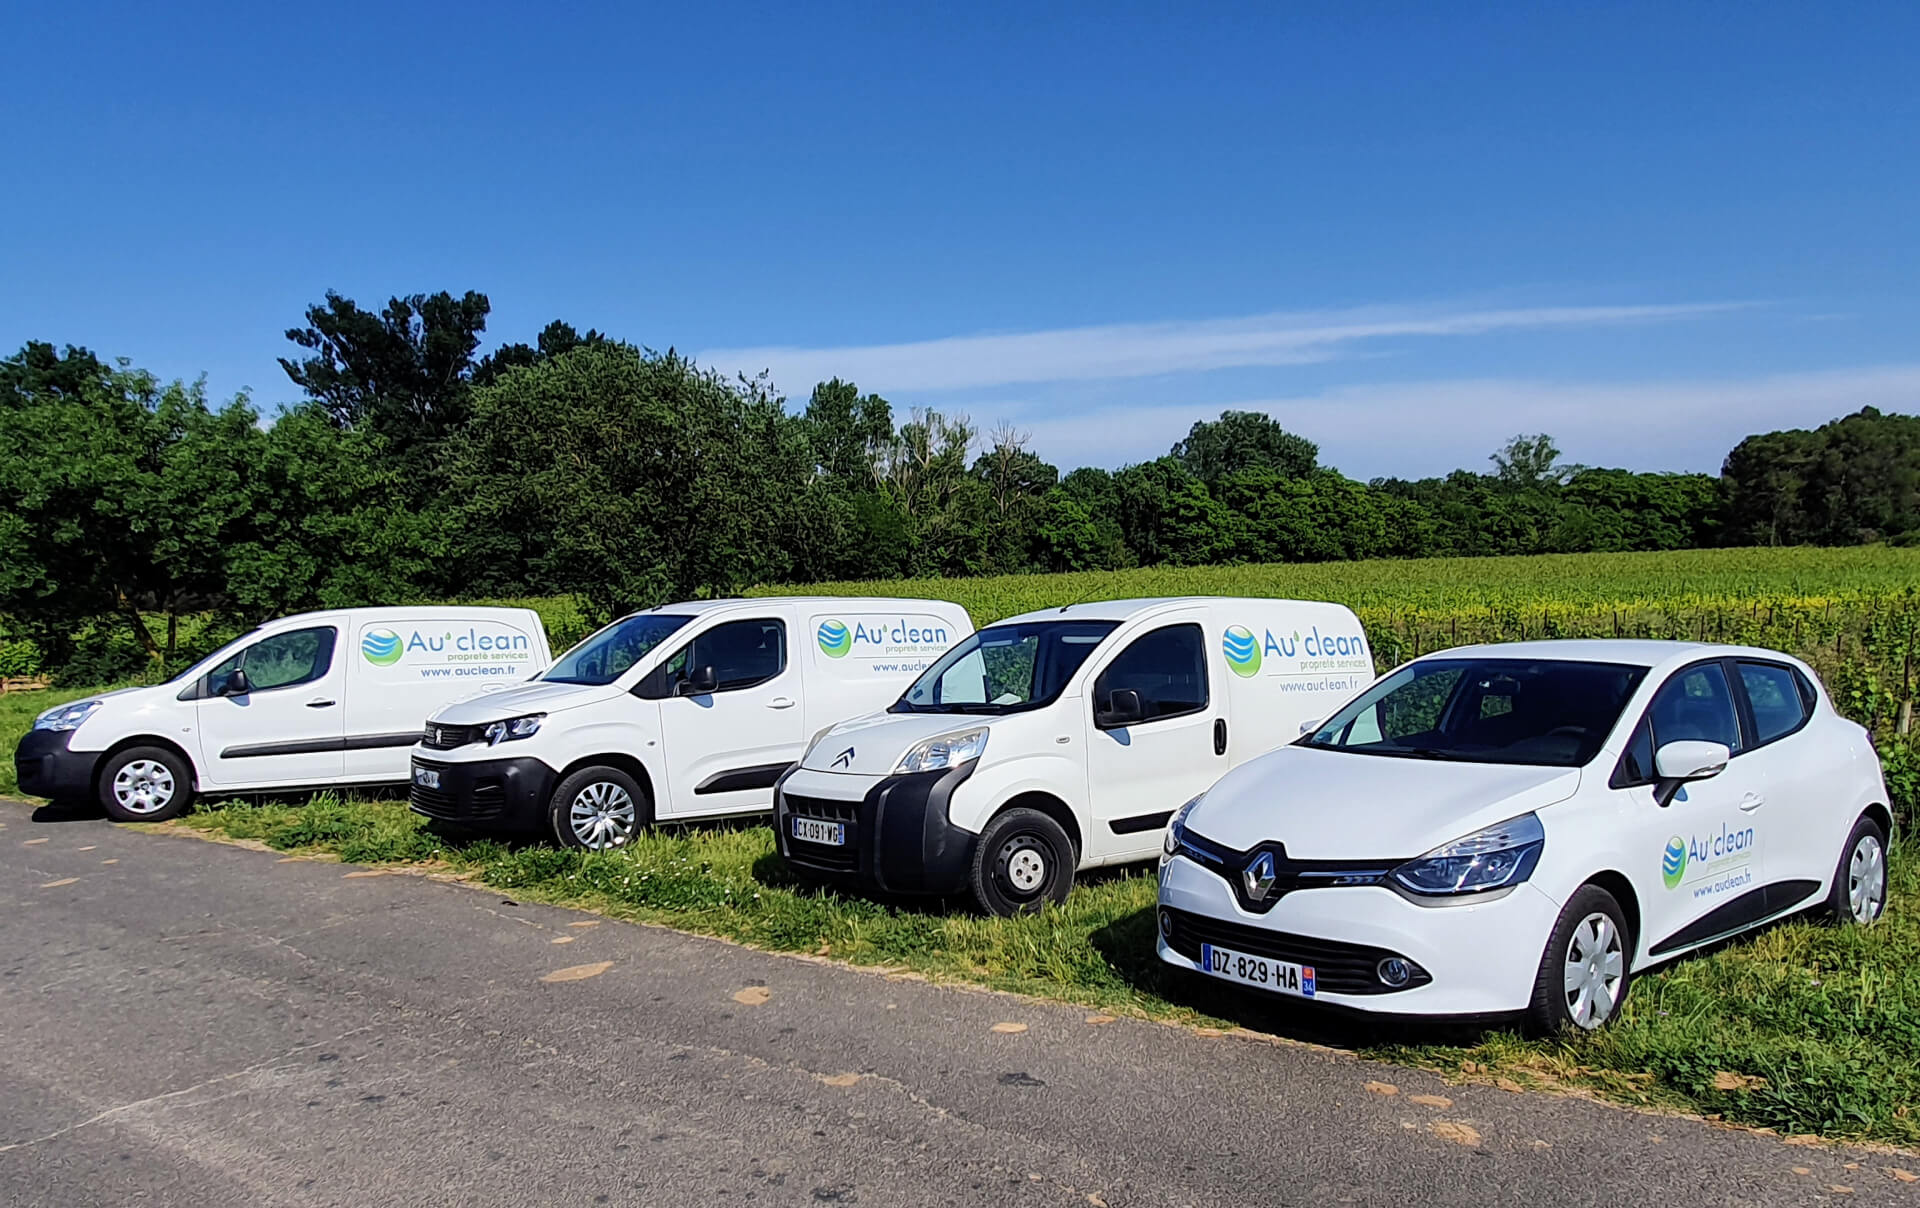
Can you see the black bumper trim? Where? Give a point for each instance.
(506, 794)
(898, 836)
(44, 767)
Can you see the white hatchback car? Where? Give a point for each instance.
(1517, 829)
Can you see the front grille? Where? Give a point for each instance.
(440, 737)
(821, 807)
(824, 855)
(1338, 967)
(485, 802)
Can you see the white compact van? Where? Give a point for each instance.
(1062, 739)
(322, 698)
(682, 711)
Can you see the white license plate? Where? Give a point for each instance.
(426, 778)
(1258, 971)
(815, 830)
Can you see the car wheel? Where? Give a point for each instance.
(145, 784)
(1860, 882)
(1022, 861)
(1584, 971)
(599, 809)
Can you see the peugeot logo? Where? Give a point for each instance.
(844, 759)
(1259, 877)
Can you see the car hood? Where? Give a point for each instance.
(878, 740)
(536, 697)
(1335, 805)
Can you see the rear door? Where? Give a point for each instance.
(1792, 770)
(725, 748)
(1140, 773)
(289, 728)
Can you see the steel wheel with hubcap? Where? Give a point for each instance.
(599, 809)
(144, 784)
(1860, 882)
(1022, 860)
(1595, 967)
(1584, 971)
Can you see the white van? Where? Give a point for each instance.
(322, 698)
(682, 711)
(1062, 739)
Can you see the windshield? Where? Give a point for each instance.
(1543, 712)
(1005, 668)
(607, 655)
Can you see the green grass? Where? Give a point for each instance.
(1805, 1029)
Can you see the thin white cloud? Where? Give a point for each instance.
(1129, 350)
(1416, 429)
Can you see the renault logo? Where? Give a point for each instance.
(844, 759)
(1259, 877)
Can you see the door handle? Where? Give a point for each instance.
(1220, 736)
(780, 702)
(320, 703)
(1752, 801)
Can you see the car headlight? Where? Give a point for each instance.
(944, 751)
(1177, 826)
(66, 717)
(512, 728)
(1500, 855)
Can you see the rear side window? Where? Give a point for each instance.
(1773, 692)
(1696, 705)
(741, 653)
(1167, 667)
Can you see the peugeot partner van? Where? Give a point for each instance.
(682, 711)
(323, 698)
(1059, 740)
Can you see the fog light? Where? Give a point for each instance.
(1166, 924)
(1394, 972)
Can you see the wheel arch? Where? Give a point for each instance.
(1617, 884)
(626, 763)
(1882, 816)
(1054, 808)
(147, 740)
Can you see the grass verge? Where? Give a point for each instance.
(1802, 1029)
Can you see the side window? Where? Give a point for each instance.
(1773, 692)
(284, 660)
(741, 653)
(1167, 667)
(1696, 705)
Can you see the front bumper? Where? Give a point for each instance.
(1480, 958)
(503, 794)
(44, 767)
(898, 836)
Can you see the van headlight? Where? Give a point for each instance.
(512, 728)
(66, 717)
(1177, 827)
(1500, 855)
(944, 751)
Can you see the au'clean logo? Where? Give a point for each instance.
(381, 647)
(1673, 864)
(835, 639)
(1242, 650)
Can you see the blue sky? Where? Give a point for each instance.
(1406, 231)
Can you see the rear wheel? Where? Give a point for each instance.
(1583, 973)
(1860, 882)
(145, 784)
(1022, 861)
(598, 808)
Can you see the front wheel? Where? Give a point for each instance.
(145, 784)
(1860, 882)
(1583, 973)
(599, 809)
(1022, 861)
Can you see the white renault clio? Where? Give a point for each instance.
(1517, 829)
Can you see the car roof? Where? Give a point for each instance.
(694, 608)
(1633, 652)
(380, 612)
(1126, 610)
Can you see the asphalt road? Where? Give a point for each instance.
(189, 1023)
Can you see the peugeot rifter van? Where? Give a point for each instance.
(1059, 740)
(322, 698)
(682, 711)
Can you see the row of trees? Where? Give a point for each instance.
(417, 468)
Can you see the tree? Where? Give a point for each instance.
(1852, 480)
(555, 338)
(850, 434)
(1530, 461)
(1244, 440)
(1167, 515)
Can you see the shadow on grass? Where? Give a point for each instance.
(775, 873)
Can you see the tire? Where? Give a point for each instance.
(1023, 860)
(598, 809)
(145, 784)
(1585, 970)
(1859, 894)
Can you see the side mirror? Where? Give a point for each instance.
(1676, 763)
(699, 681)
(236, 683)
(1122, 708)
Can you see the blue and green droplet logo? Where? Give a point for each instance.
(1242, 650)
(381, 647)
(835, 639)
(1673, 865)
